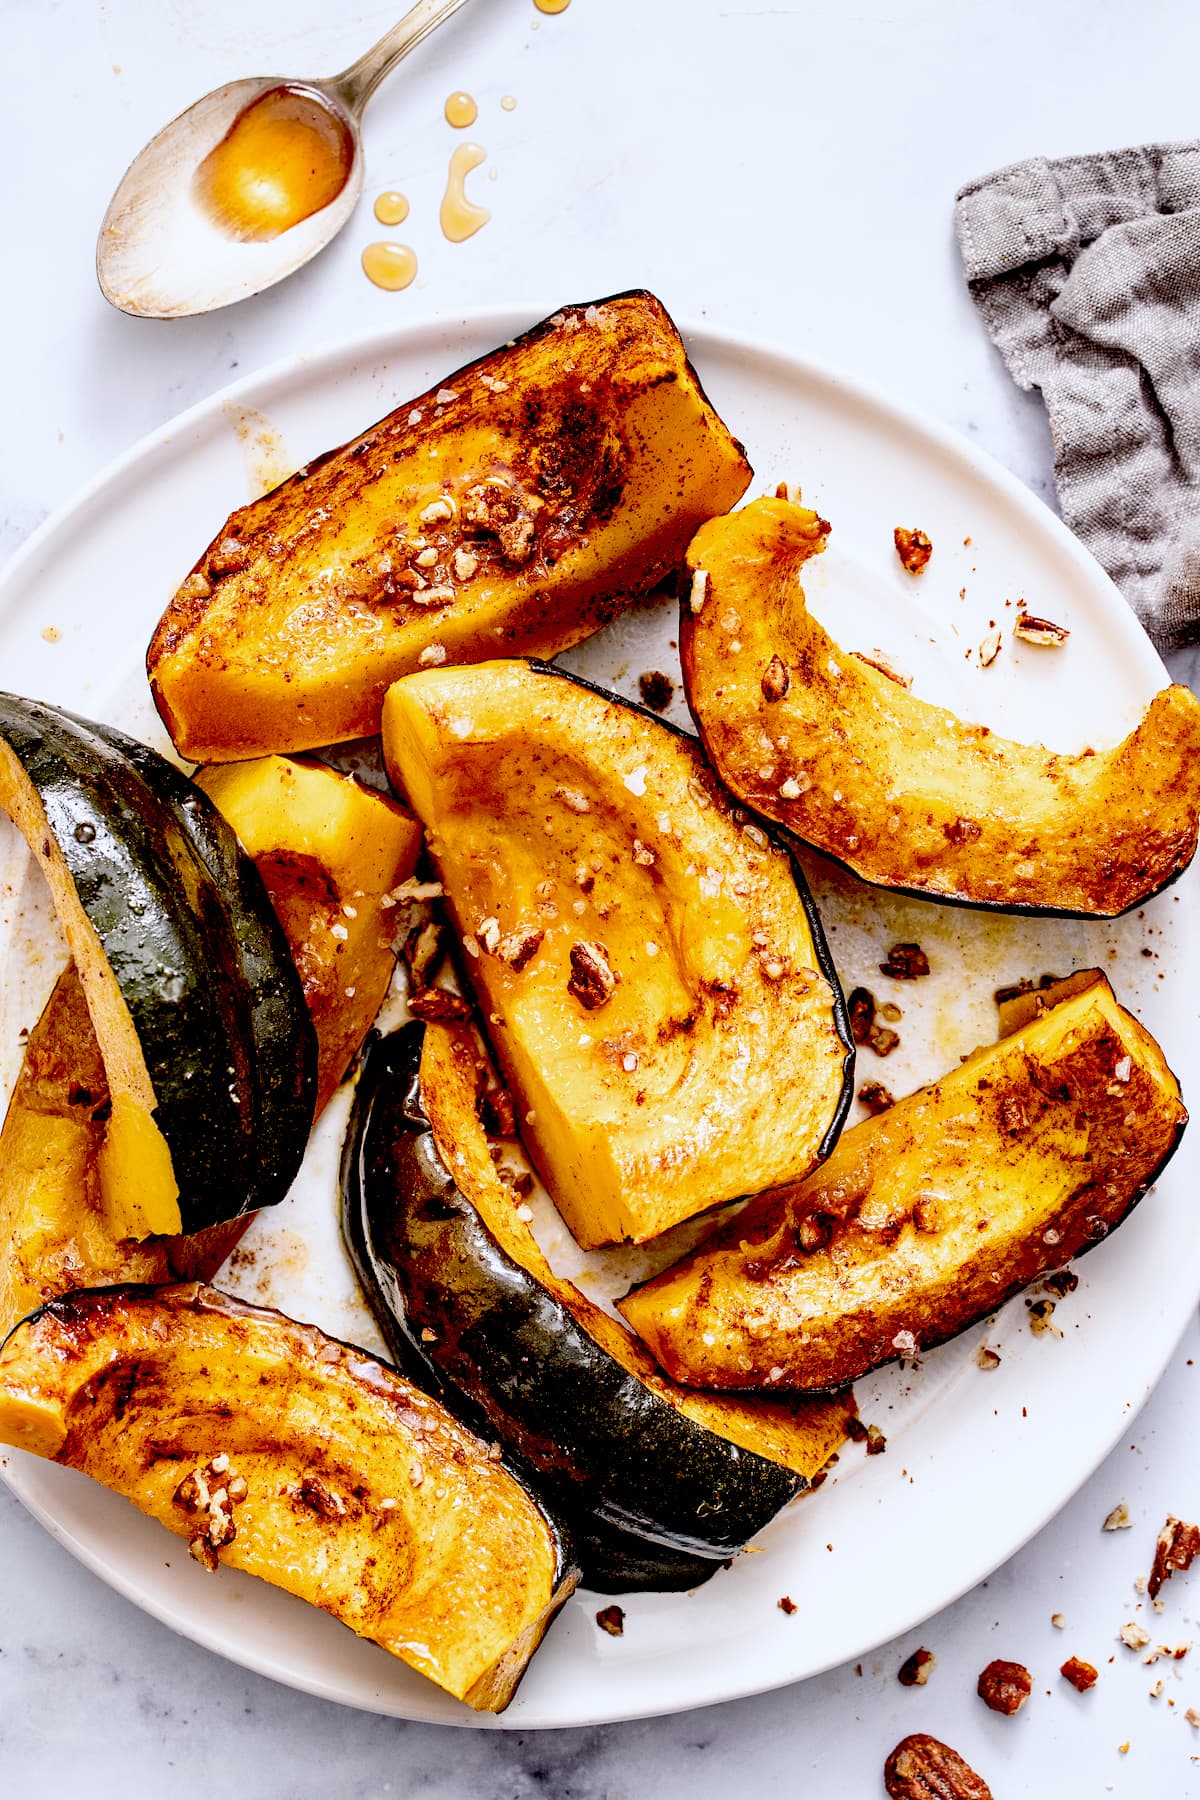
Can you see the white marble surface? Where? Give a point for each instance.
(785, 169)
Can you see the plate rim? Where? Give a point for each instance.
(409, 339)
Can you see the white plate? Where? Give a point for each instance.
(975, 1462)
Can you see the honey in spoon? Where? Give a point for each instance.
(286, 156)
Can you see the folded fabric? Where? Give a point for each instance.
(1086, 271)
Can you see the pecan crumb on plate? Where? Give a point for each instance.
(1005, 1686)
(1040, 631)
(612, 1620)
(916, 1669)
(1081, 1675)
(923, 1768)
(914, 548)
(905, 962)
(657, 690)
(875, 1097)
(1174, 1550)
(786, 1605)
(1118, 1519)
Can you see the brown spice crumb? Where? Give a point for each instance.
(438, 1005)
(860, 1008)
(1005, 1686)
(913, 548)
(657, 690)
(916, 1669)
(776, 680)
(592, 982)
(612, 1620)
(923, 1768)
(875, 1097)
(905, 962)
(787, 1605)
(1081, 1675)
(1175, 1549)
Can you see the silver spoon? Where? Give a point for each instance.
(161, 254)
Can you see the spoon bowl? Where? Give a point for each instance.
(161, 252)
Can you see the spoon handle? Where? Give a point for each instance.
(355, 85)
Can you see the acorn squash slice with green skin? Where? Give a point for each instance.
(903, 793)
(930, 1215)
(54, 1232)
(202, 1111)
(656, 1485)
(275, 1449)
(517, 506)
(651, 969)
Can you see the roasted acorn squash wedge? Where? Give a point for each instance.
(330, 852)
(185, 971)
(657, 1484)
(518, 506)
(275, 1449)
(929, 1216)
(904, 793)
(653, 971)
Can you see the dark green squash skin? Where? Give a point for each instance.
(167, 935)
(649, 1497)
(284, 1037)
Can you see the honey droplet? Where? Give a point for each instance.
(552, 6)
(461, 218)
(461, 111)
(285, 157)
(391, 266)
(391, 208)
(509, 102)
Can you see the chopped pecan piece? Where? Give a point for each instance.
(592, 982)
(923, 1768)
(496, 508)
(914, 548)
(861, 1009)
(437, 1005)
(905, 962)
(882, 1040)
(228, 557)
(424, 951)
(1040, 631)
(875, 1097)
(1118, 1519)
(320, 1498)
(876, 1442)
(518, 948)
(1081, 1675)
(1175, 1549)
(776, 681)
(787, 1605)
(916, 1669)
(1005, 1686)
(612, 1620)
(657, 690)
(497, 1113)
(989, 650)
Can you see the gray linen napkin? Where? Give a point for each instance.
(1086, 271)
